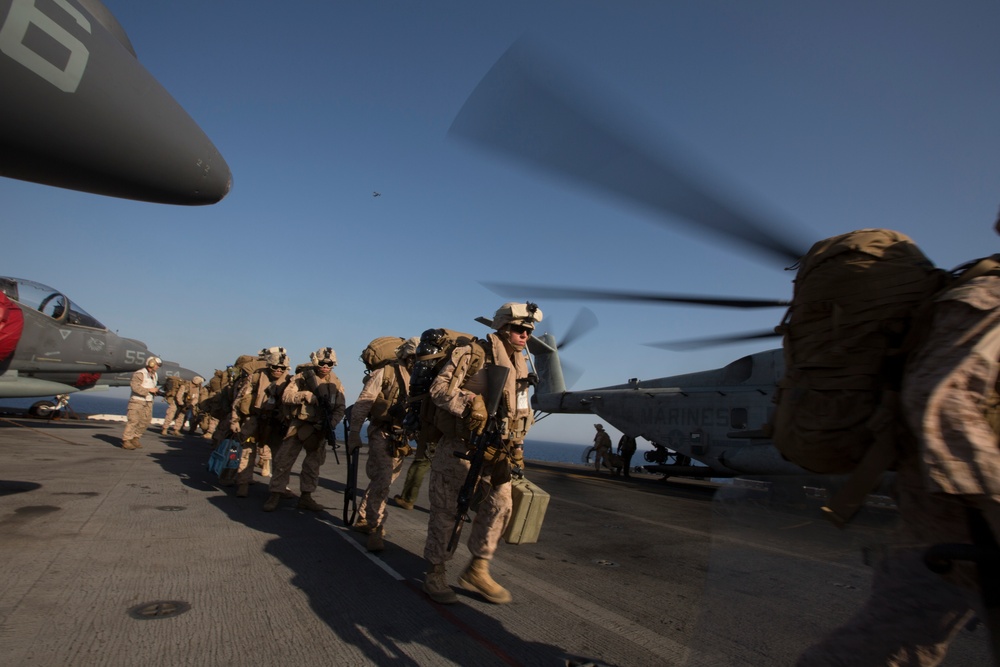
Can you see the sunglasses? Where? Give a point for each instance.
(326, 363)
(521, 330)
(278, 367)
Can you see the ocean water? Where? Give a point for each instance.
(99, 403)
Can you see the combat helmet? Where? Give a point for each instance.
(521, 314)
(274, 356)
(323, 354)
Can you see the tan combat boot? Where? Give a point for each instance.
(401, 502)
(436, 585)
(265, 467)
(243, 490)
(376, 541)
(127, 444)
(477, 579)
(136, 444)
(362, 526)
(272, 502)
(306, 502)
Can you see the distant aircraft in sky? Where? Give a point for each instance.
(81, 112)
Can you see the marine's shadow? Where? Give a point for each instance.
(389, 615)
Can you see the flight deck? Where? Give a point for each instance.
(140, 557)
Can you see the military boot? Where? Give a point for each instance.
(376, 543)
(272, 502)
(306, 502)
(436, 585)
(477, 579)
(243, 490)
(127, 444)
(265, 467)
(362, 526)
(402, 502)
(136, 444)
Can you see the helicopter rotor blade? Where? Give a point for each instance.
(571, 373)
(584, 322)
(526, 108)
(512, 291)
(699, 343)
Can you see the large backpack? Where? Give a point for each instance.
(381, 351)
(436, 346)
(846, 336)
(172, 386)
(220, 405)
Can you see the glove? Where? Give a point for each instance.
(517, 458)
(353, 440)
(475, 420)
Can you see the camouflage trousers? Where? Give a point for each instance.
(208, 424)
(299, 438)
(169, 417)
(248, 457)
(178, 414)
(137, 419)
(448, 473)
(382, 468)
(418, 468)
(258, 437)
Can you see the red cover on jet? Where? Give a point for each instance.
(11, 325)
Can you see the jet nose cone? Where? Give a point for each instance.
(101, 123)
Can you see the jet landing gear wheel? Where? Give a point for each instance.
(44, 410)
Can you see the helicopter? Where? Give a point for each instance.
(81, 112)
(50, 346)
(527, 109)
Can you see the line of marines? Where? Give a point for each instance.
(276, 414)
(949, 487)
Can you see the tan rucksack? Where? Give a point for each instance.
(381, 351)
(172, 385)
(846, 336)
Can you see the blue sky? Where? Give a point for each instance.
(838, 116)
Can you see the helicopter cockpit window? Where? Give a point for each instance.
(738, 419)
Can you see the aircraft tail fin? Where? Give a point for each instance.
(547, 365)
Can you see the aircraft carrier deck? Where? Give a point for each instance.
(115, 557)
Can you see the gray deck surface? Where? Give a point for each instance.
(625, 573)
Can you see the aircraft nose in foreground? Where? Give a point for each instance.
(81, 112)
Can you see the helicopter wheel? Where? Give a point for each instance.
(44, 410)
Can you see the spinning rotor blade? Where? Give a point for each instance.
(526, 108)
(699, 343)
(511, 290)
(584, 322)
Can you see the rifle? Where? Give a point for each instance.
(496, 378)
(351, 485)
(324, 406)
